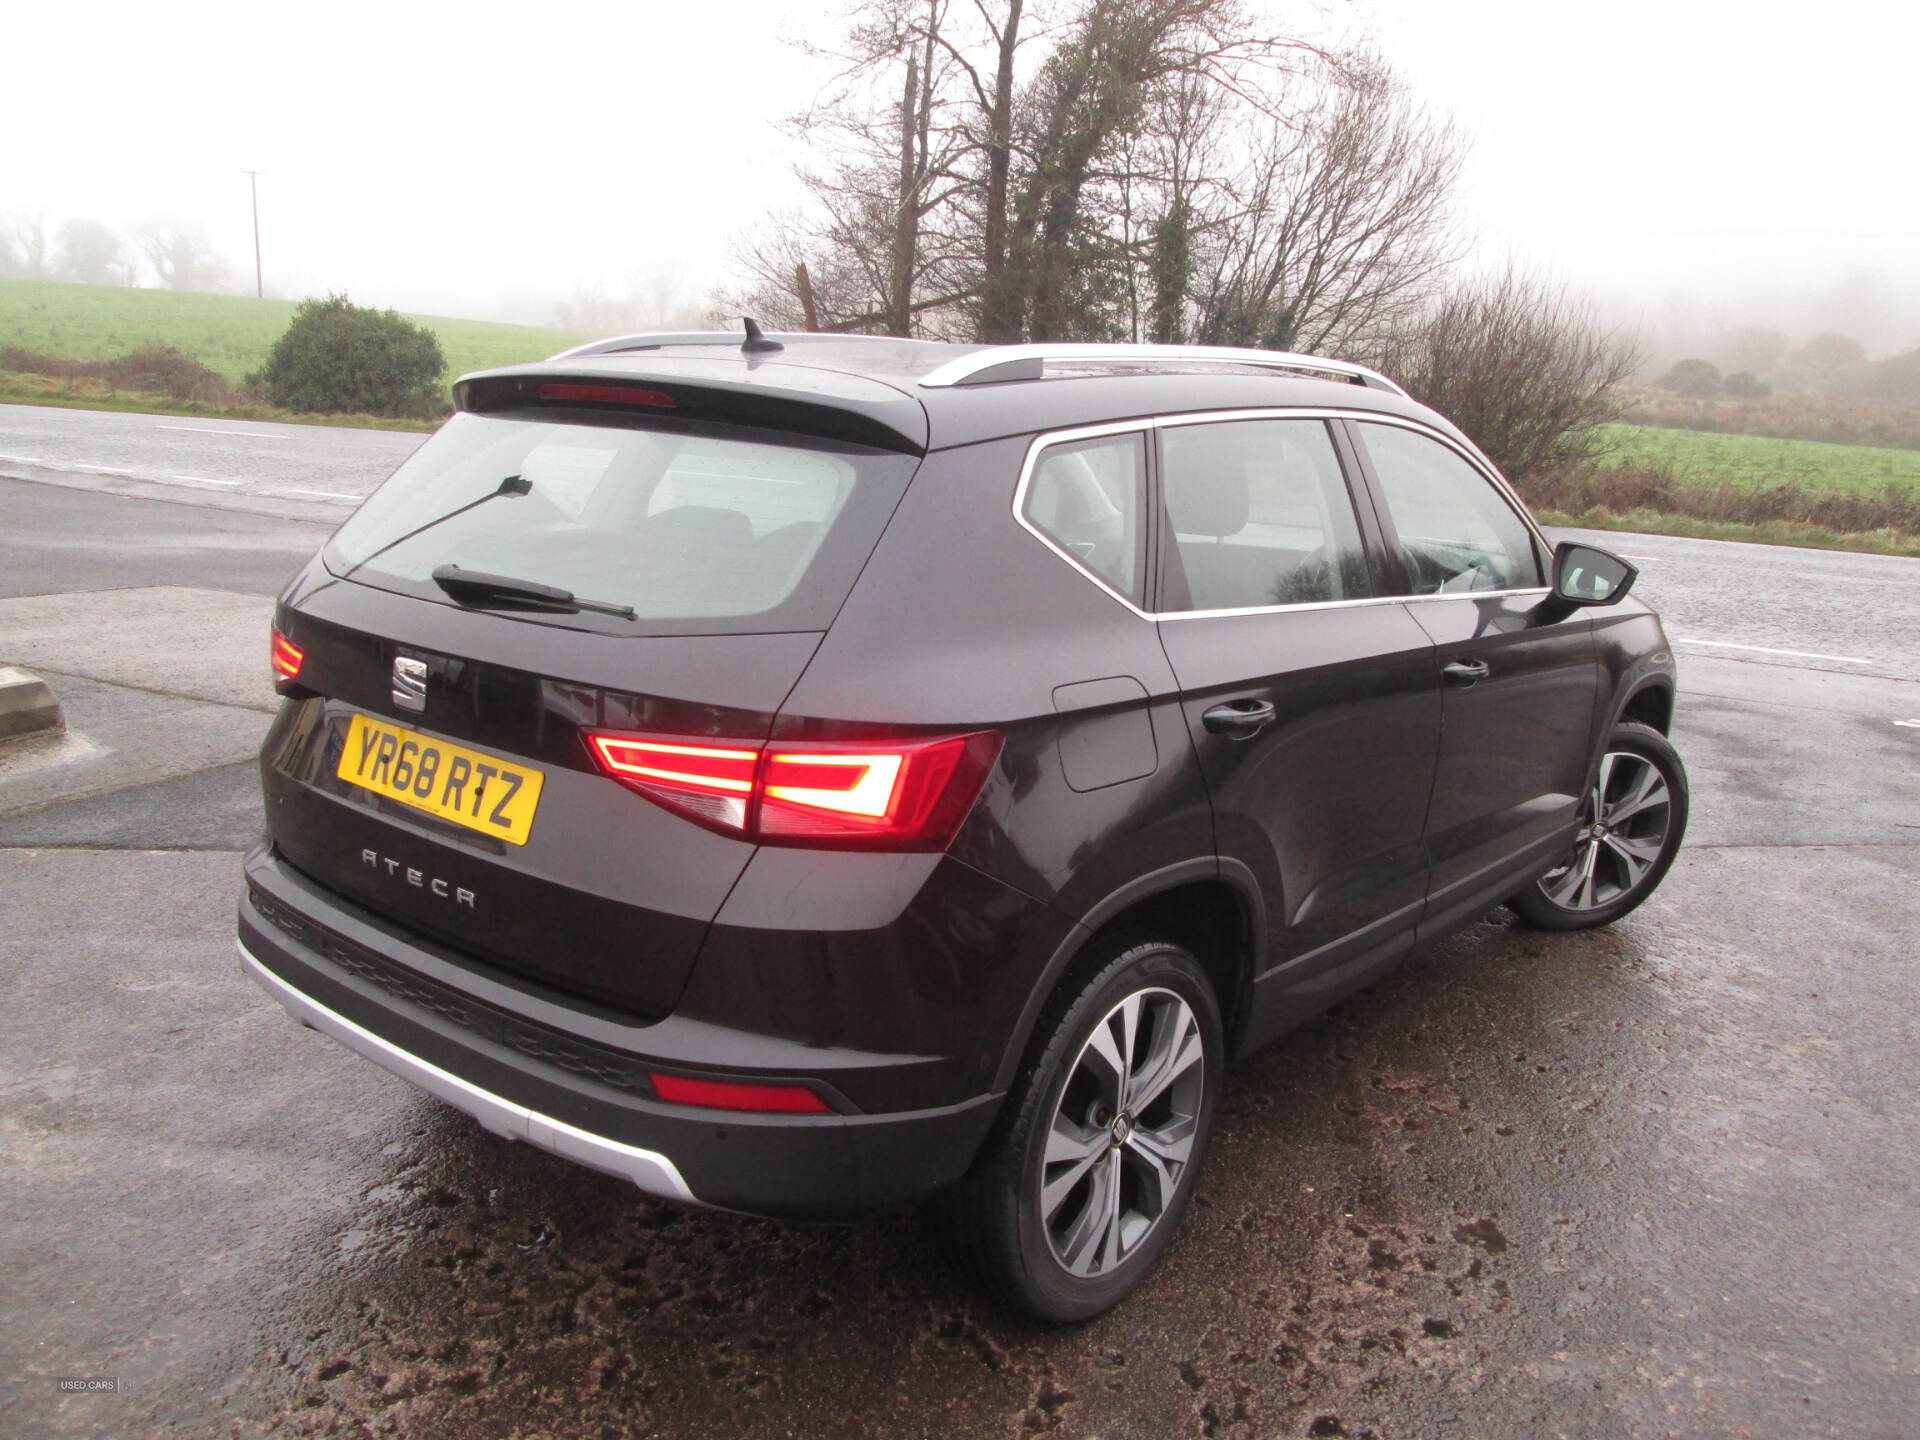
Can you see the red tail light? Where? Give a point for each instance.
(868, 793)
(725, 1095)
(711, 782)
(287, 657)
(893, 795)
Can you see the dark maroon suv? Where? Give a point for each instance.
(813, 774)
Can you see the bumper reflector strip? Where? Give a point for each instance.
(720, 1095)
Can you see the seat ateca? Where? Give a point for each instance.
(814, 774)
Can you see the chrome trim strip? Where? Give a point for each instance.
(647, 1169)
(1364, 600)
(615, 344)
(960, 371)
(1161, 422)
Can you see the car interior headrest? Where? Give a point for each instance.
(701, 525)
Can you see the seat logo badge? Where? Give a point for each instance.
(410, 683)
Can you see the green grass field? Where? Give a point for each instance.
(1701, 458)
(227, 333)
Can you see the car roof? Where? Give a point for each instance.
(933, 396)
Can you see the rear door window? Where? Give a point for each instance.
(1261, 515)
(697, 529)
(1457, 532)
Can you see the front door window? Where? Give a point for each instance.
(1457, 533)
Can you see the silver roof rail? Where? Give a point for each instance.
(1029, 362)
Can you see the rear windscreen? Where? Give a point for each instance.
(696, 529)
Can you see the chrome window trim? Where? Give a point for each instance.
(960, 371)
(1069, 437)
(1213, 417)
(1171, 615)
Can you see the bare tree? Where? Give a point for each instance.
(1097, 88)
(92, 254)
(1176, 168)
(183, 258)
(889, 150)
(24, 253)
(1343, 227)
(653, 300)
(1521, 365)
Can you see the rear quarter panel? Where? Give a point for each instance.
(963, 620)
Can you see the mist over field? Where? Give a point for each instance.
(1698, 168)
(1869, 305)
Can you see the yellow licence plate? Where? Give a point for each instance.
(468, 787)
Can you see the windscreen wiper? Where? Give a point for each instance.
(477, 587)
(512, 485)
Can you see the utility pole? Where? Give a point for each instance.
(259, 284)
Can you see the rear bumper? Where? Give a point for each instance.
(531, 1069)
(650, 1170)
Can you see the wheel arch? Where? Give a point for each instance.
(1211, 905)
(1650, 703)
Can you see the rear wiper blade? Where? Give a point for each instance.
(476, 587)
(511, 485)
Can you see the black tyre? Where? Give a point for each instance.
(1078, 1192)
(1631, 826)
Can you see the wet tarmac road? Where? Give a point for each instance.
(301, 470)
(1659, 1180)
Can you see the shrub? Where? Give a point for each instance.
(1756, 348)
(1578, 489)
(1889, 424)
(1896, 378)
(159, 369)
(337, 357)
(1524, 368)
(1698, 378)
(1828, 364)
(1745, 385)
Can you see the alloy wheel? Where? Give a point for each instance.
(1628, 815)
(1122, 1134)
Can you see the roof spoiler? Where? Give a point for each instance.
(591, 395)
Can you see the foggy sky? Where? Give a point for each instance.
(1733, 159)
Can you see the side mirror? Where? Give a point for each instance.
(1588, 575)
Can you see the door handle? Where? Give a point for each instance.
(1465, 672)
(1242, 719)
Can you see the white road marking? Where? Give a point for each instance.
(91, 467)
(203, 480)
(1909, 724)
(209, 430)
(1769, 650)
(321, 494)
(1638, 559)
